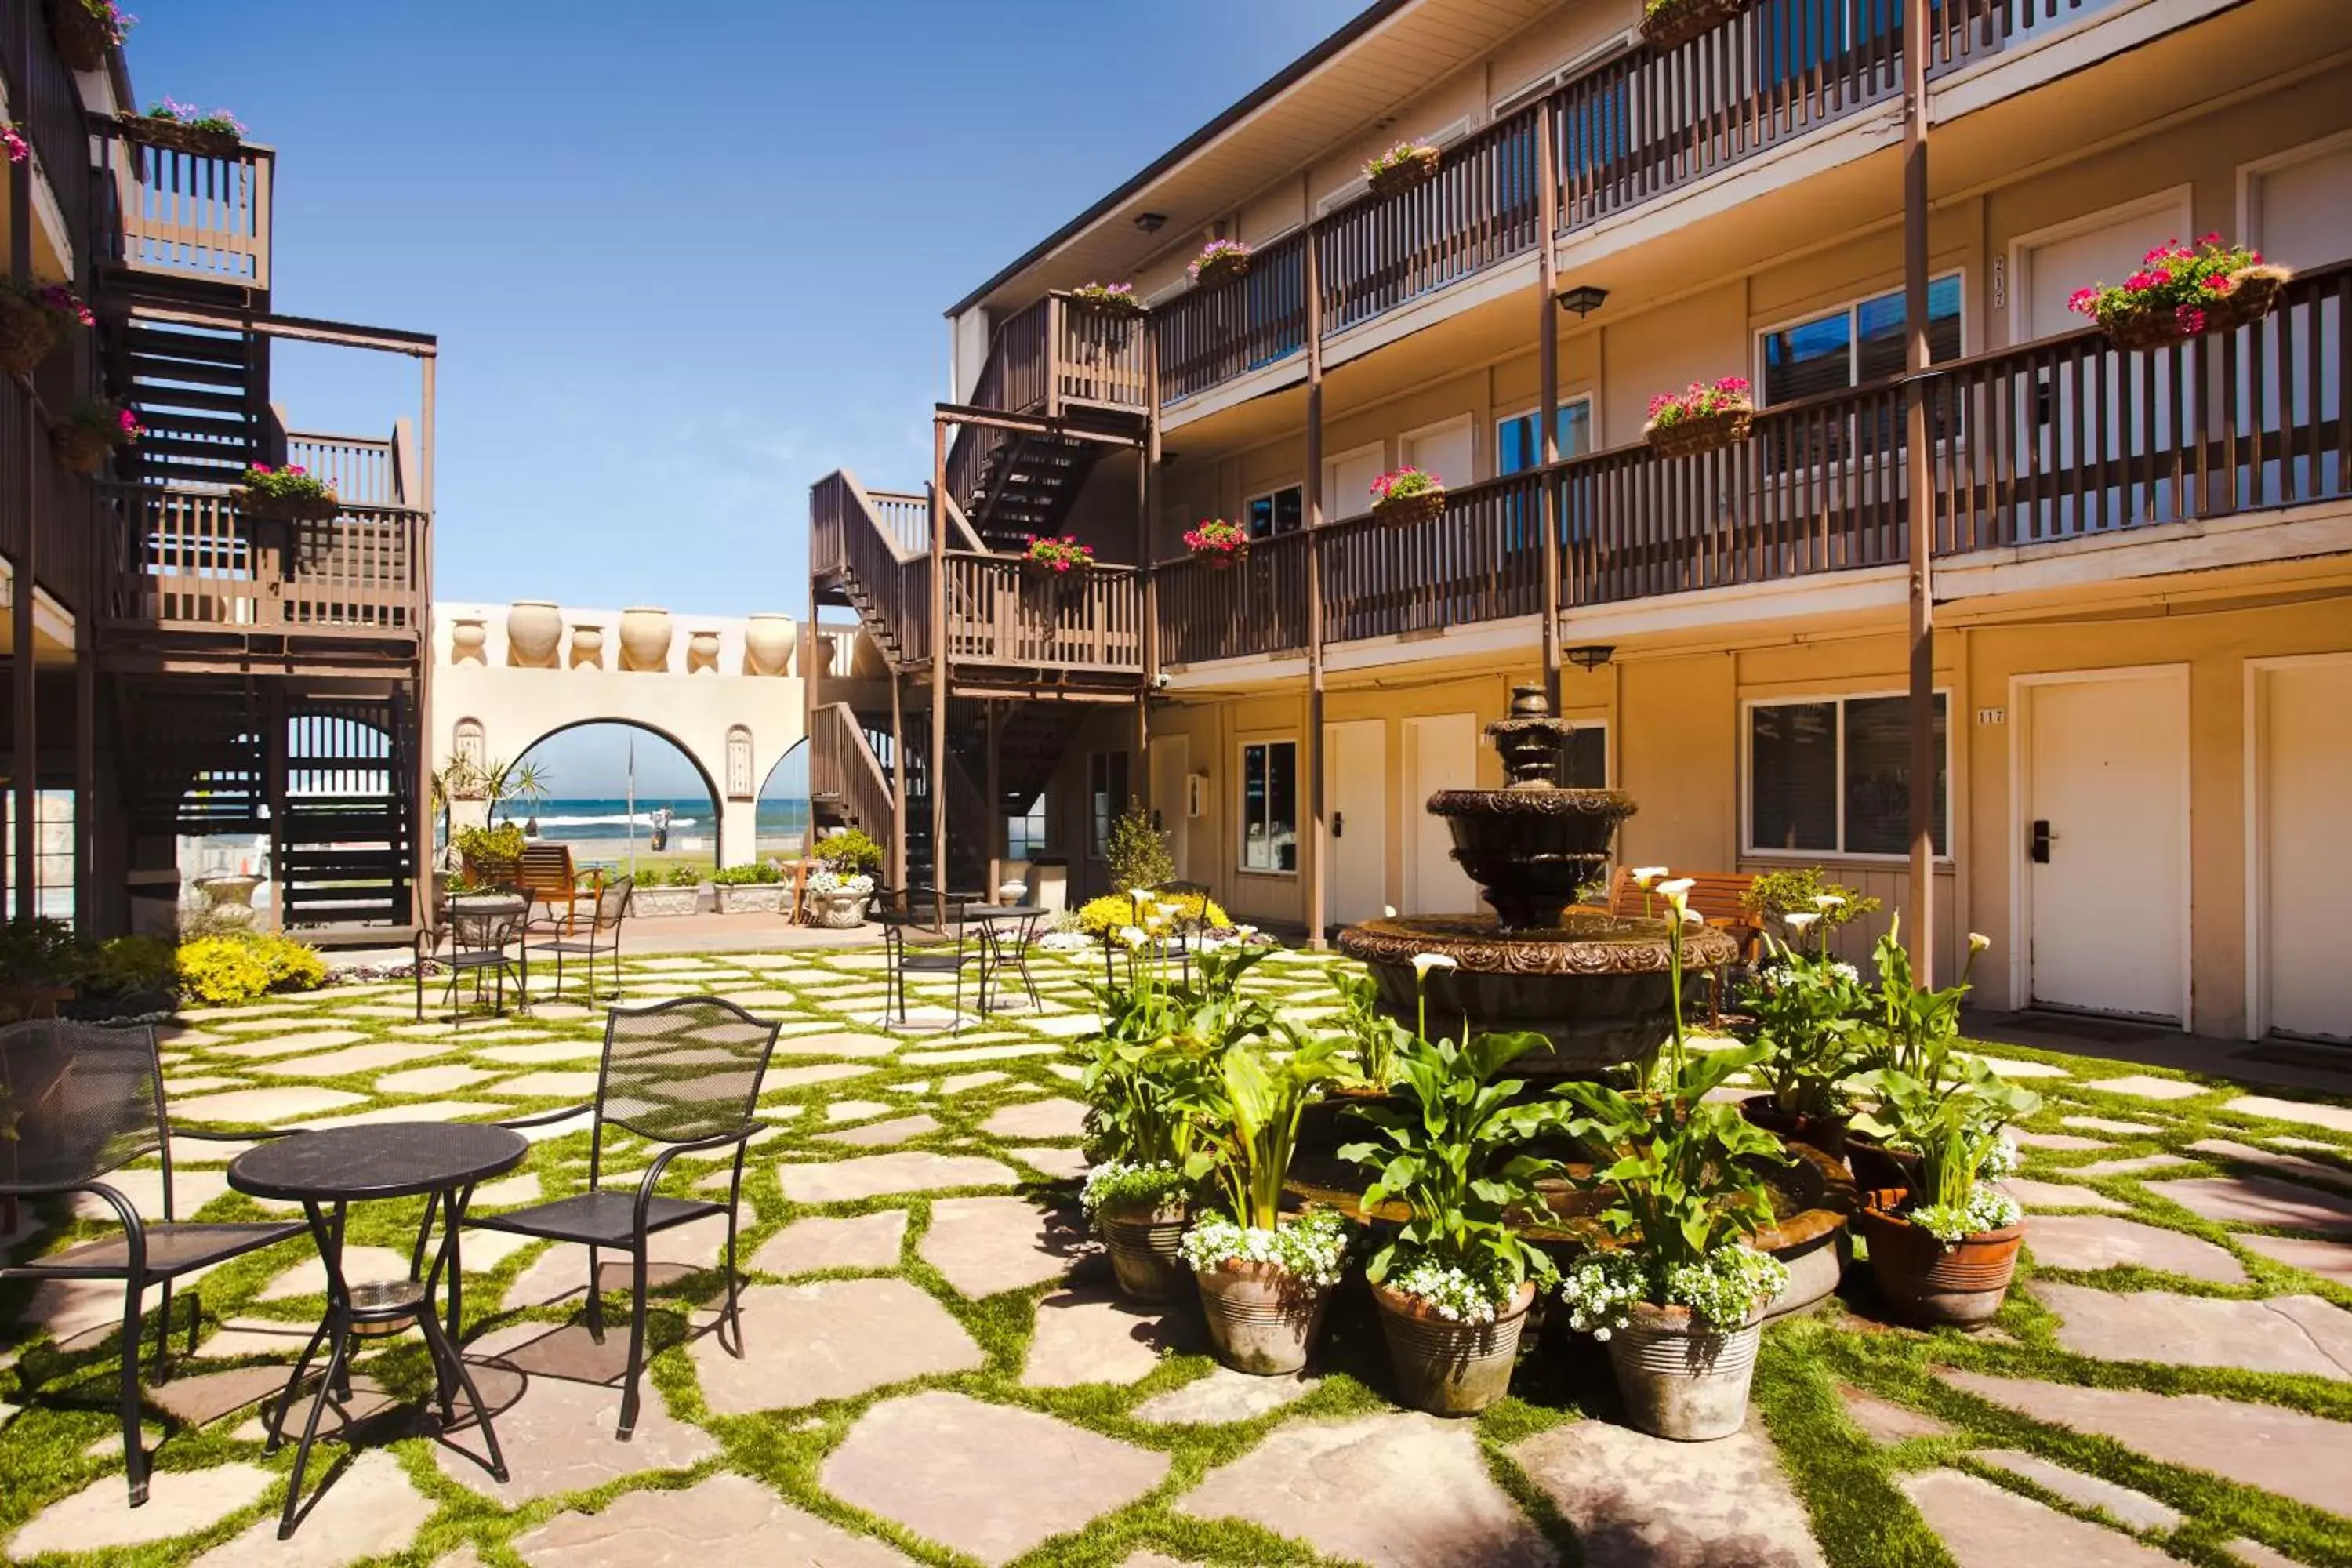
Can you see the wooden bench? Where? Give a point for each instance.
(545, 876)
(1721, 899)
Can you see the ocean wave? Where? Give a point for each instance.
(643, 820)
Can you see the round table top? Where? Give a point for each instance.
(388, 1160)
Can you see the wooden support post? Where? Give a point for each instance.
(1924, 758)
(1143, 632)
(1547, 373)
(424, 851)
(898, 788)
(1311, 842)
(938, 612)
(276, 764)
(86, 807)
(25, 689)
(992, 776)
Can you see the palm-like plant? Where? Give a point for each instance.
(1263, 1080)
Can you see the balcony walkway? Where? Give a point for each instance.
(934, 1363)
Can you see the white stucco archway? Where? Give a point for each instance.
(505, 677)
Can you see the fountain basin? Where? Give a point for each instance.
(1597, 986)
(1532, 849)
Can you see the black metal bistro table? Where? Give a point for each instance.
(332, 1169)
(998, 924)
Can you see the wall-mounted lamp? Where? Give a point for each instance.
(1152, 223)
(1591, 656)
(1584, 299)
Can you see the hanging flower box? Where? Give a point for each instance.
(1704, 419)
(1057, 559)
(1402, 167)
(290, 493)
(1108, 299)
(32, 320)
(86, 31)
(1408, 495)
(1220, 261)
(2179, 294)
(187, 129)
(1218, 545)
(91, 432)
(1670, 23)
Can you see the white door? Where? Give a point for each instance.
(1355, 840)
(2107, 793)
(1347, 481)
(1445, 450)
(2303, 763)
(1171, 763)
(1440, 752)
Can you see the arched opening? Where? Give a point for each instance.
(784, 806)
(624, 795)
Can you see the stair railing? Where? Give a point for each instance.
(843, 765)
(890, 582)
(183, 214)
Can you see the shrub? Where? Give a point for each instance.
(675, 876)
(746, 875)
(39, 952)
(1138, 851)
(850, 853)
(1776, 894)
(224, 969)
(129, 965)
(491, 854)
(1102, 916)
(107, 421)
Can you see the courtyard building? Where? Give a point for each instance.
(2142, 559)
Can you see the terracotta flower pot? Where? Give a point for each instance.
(1262, 1317)
(767, 643)
(534, 627)
(1878, 1169)
(1144, 1250)
(1826, 1134)
(1444, 1367)
(1929, 1282)
(1681, 1379)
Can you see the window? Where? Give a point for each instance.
(53, 857)
(1025, 832)
(1270, 805)
(1585, 759)
(1283, 511)
(1856, 343)
(1105, 797)
(1833, 777)
(1519, 446)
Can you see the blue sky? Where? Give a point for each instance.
(682, 259)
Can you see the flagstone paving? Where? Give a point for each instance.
(934, 1363)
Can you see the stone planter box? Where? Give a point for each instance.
(750, 898)
(656, 903)
(837, 912)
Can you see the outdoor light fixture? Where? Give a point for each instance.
(1584, 299)
(1592, 655)
(1152, 223)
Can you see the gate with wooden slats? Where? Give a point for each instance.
(343, 844)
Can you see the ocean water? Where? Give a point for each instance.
(604, 827)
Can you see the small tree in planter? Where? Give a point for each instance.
(754, 888)
(1402, 167)
(1681, 1302)
(86, 31)
(1408, 495)
(172, 123)
(1217, 543)
(2179, 293)
(1670, 23)
(1108, 299)
(1706, 415)
(290, 492)
(1265, 1280)
(33, 319)
(1220, 261)
(1454, 1286)
(1811, 1018)
(92, 431)
(490, 857)
(1056, 558)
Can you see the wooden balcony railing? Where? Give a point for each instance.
(1633, 129)
(2066, 439)
(362, 471)
(1001, 611)
(843, 767)
(184, 214)
(850, 545)
(44, 102)
(57, 524)
(180, 561)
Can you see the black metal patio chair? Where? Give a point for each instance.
(78, 1101)
(475, 942)
(683, 1074)
(587, 933)
(952, 948)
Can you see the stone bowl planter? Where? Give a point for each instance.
(229, 899)
(645, 638)
(663, 903)
(750, 898)
(1680, 1379)
(1262, 1317)
(1444, 1367)
(837, 912)
(1930, 1283)
(1144, 1251)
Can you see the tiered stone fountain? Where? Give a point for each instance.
(1595, 986)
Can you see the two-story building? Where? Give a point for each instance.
(2142, 560)
(179, 666)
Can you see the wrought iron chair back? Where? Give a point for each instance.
(680, 1072)
(76, 1101)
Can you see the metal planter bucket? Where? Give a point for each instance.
(1143, 1244)
(1680, 1379)
(1262, 1317)
(1444, 1367)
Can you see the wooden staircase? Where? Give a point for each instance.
(202, 392)
(1024, 483)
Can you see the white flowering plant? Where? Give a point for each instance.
(1953, 1121)
(1811, 1016)
(1312, 1248)
(1123, 1186)
(855, 884)
(1725, 1288)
